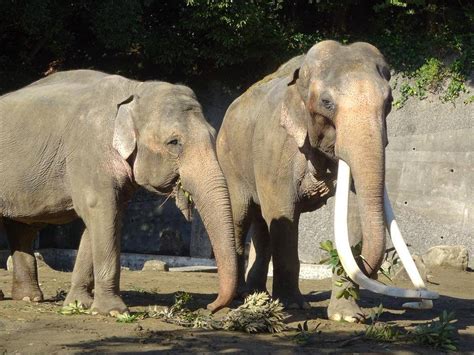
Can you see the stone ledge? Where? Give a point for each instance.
(63, 260)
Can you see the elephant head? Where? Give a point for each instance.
(161, 132)
(336, 103)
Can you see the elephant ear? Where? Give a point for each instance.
(294, 116)
(125, 138)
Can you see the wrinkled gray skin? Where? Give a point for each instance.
(278, 148)
(78, 144)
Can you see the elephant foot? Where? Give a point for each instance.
(345, 310)
(81, 296)
(2, 296)
(109, 305)
(292, 301)
(29, 293)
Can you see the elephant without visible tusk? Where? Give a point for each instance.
(347, 259)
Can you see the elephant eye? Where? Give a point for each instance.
(328, 105)
(175, 146)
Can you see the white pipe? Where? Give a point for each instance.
(404, 254)
(344, 249)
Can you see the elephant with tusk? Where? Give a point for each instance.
(279, 145)
(77, 144)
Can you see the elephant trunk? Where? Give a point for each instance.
(365, 154)
(204, 179)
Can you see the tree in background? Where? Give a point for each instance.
(428, 40)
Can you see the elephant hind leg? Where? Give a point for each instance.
(286, 264)
(260, 255)
(25, 273)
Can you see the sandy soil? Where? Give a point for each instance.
(37, 327)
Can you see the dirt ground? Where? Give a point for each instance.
(39, 328)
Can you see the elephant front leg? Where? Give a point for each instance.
(25, 273)
(286, 265)
(82, 281)
(103, 224)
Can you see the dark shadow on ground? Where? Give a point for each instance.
(199, 341)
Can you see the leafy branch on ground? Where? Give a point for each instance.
(259, 313)
(180, 315)
(437, 334)
(131, 318)
(75, 308)
(381, 331)
(304, 334)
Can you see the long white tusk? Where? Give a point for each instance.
(344, 249)
(404, 254)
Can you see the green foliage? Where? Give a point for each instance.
(437, 334)
(75, 308)
(258, 314)
(429, 41)
(381, 331)
(469, 100)
(179, 314)
(391, 258)
(347, 288)
(130, 318)
(431, 77)
(118, 24)
(304, 334)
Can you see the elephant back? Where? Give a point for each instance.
(283, 71)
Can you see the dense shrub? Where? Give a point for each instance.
(179, 39)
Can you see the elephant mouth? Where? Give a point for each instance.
(184, 200)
